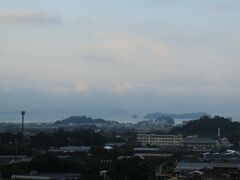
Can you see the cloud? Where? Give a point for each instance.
(123, 88)
(57, 90)
(81, 88)
(123, 47)
(32, 18)
(162, 2)
(9, 90)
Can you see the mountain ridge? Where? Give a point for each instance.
(196, 115)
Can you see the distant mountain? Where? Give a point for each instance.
(81, 120)
(157, 115)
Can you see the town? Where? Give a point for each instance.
(80, 147)
(119, 90)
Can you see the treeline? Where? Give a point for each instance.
(208, 127)
(67, 138)
(44, 140)
(47, 163)
(89, 168)
(9, 138)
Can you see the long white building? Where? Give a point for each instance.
(159, 140)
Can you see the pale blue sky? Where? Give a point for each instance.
(110, 56)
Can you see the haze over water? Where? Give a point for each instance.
(49, 118)
(119, 56)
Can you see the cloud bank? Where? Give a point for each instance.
(33, 18)
(123, 47)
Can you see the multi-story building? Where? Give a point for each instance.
(159, 140)
(199, 144)
(192, 143)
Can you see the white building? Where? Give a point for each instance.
(159, 140)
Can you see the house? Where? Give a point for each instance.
(47, 176)
(71, 149)
(13, 159)
(203, 170)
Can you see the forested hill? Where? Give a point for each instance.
(208, 127)
(81, 120)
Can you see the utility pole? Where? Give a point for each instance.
(16, 149)
(23, 114)
(219, 132)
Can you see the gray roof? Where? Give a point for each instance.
(199, 140)
(193, 166)
(209, 165)
(146, 149)
(226, 165)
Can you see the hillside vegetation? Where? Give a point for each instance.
(208, 127)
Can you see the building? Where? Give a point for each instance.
(47, 176)
(14, 159)
(224, 142)
(71, 149)
(115, 144)
(191, 143)
(199, 144)
(208, 170)
(192, 166)
(159, 140)
(150, 152)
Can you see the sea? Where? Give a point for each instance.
(50, 118)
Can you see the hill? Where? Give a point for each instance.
(81, 120)
(181, 116)
(208, 127)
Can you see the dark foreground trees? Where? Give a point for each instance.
(67, 138)
(131, 169)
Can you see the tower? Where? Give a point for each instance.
(23, 114)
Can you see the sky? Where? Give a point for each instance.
(112, 57)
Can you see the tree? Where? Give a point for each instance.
(131, 169)
(42, 141)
